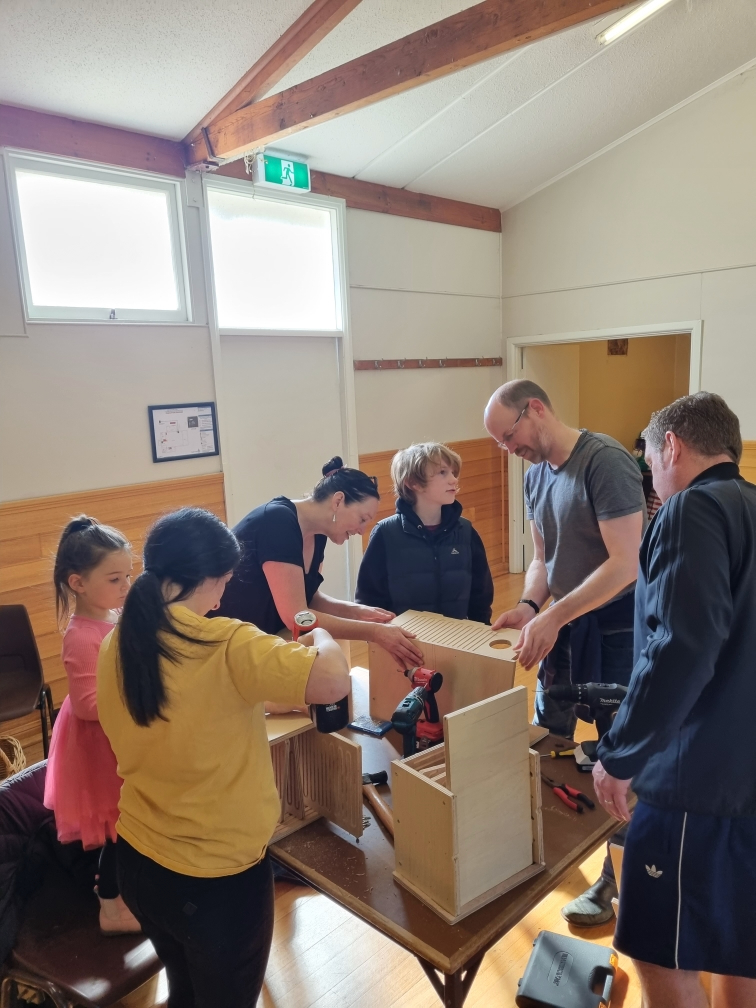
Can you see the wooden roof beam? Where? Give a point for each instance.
(360, 195)
(471, 36)
(311, 27)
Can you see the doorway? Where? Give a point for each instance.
(606, 385)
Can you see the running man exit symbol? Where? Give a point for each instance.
(287, 173)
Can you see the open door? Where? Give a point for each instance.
(601, 385)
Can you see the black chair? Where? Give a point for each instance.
(22, 685)
(57, 946)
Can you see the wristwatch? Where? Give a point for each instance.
(530, 602)
(304, 621)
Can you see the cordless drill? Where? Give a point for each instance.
(602, 701)
(419, 703)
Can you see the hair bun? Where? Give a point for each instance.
(332, 465)
(79, 524)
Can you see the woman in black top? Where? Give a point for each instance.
(283, 545)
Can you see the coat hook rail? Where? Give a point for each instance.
(410, 363)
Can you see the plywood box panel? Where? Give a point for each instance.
(488, 771)
(424, 835)
(459, 649)
(316, 775)
(489, 805)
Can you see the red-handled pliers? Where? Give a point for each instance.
(567, 794)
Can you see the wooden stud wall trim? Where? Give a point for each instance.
(311, 27)
(376, 198)
(52, 134)
(464, 39)
(414, 363)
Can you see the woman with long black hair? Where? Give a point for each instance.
(180, 698)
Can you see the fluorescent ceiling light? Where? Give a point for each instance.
(640, 13)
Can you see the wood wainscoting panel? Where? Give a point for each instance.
(748, 461)
(483, 494)
(29, 534)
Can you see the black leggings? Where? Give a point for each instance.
(213, 935)
(107, 879)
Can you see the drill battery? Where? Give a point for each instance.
(565, 972)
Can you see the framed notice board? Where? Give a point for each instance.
(183, 430)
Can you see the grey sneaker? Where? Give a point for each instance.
(593, 907)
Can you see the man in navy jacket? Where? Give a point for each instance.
(683, 737)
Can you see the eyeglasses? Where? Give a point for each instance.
(508, 436)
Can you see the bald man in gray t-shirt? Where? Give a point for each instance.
(584, 499)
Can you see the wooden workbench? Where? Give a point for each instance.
(359, 874)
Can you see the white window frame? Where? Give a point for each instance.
(343, 335)
(335, 208)
(89, 171)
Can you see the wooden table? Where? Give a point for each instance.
(358, 875)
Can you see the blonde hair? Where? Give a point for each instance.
(411, 466)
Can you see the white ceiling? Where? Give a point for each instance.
(490, 134)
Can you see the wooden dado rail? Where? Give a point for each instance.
(29, 534)
(483, 494)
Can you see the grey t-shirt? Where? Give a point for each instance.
(600, 480)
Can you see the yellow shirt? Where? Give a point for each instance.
(198, 793)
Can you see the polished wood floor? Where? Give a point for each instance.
(323, 957)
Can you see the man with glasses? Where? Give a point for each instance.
(584, 500)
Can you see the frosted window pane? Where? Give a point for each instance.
(95, 245)
(273, 264)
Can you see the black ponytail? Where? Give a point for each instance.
(83, 544)
(182, 549)
(353, 483)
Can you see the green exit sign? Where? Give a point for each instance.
(281, 173)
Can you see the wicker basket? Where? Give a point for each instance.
(12, 758)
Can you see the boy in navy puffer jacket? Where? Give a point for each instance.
(427, 556)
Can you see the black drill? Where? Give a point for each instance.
(602, 701)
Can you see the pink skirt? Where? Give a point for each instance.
(82, 785)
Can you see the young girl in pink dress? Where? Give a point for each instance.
(92, 571)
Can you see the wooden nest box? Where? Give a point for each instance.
(467, 814)
(316, 775)
(475, 661)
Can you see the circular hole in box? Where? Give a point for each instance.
(500, 643)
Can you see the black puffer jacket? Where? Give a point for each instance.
(28, 845)
(407, 567)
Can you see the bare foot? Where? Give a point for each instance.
(116, 918)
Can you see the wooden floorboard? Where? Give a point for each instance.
(323, 957)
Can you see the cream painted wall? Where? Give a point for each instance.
(74, 397)
(283, 422)
(661, 229)
(556, 368)
(420, 289)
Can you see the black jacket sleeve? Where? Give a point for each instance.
(688, 612)
(481, 589)
(372, 577)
